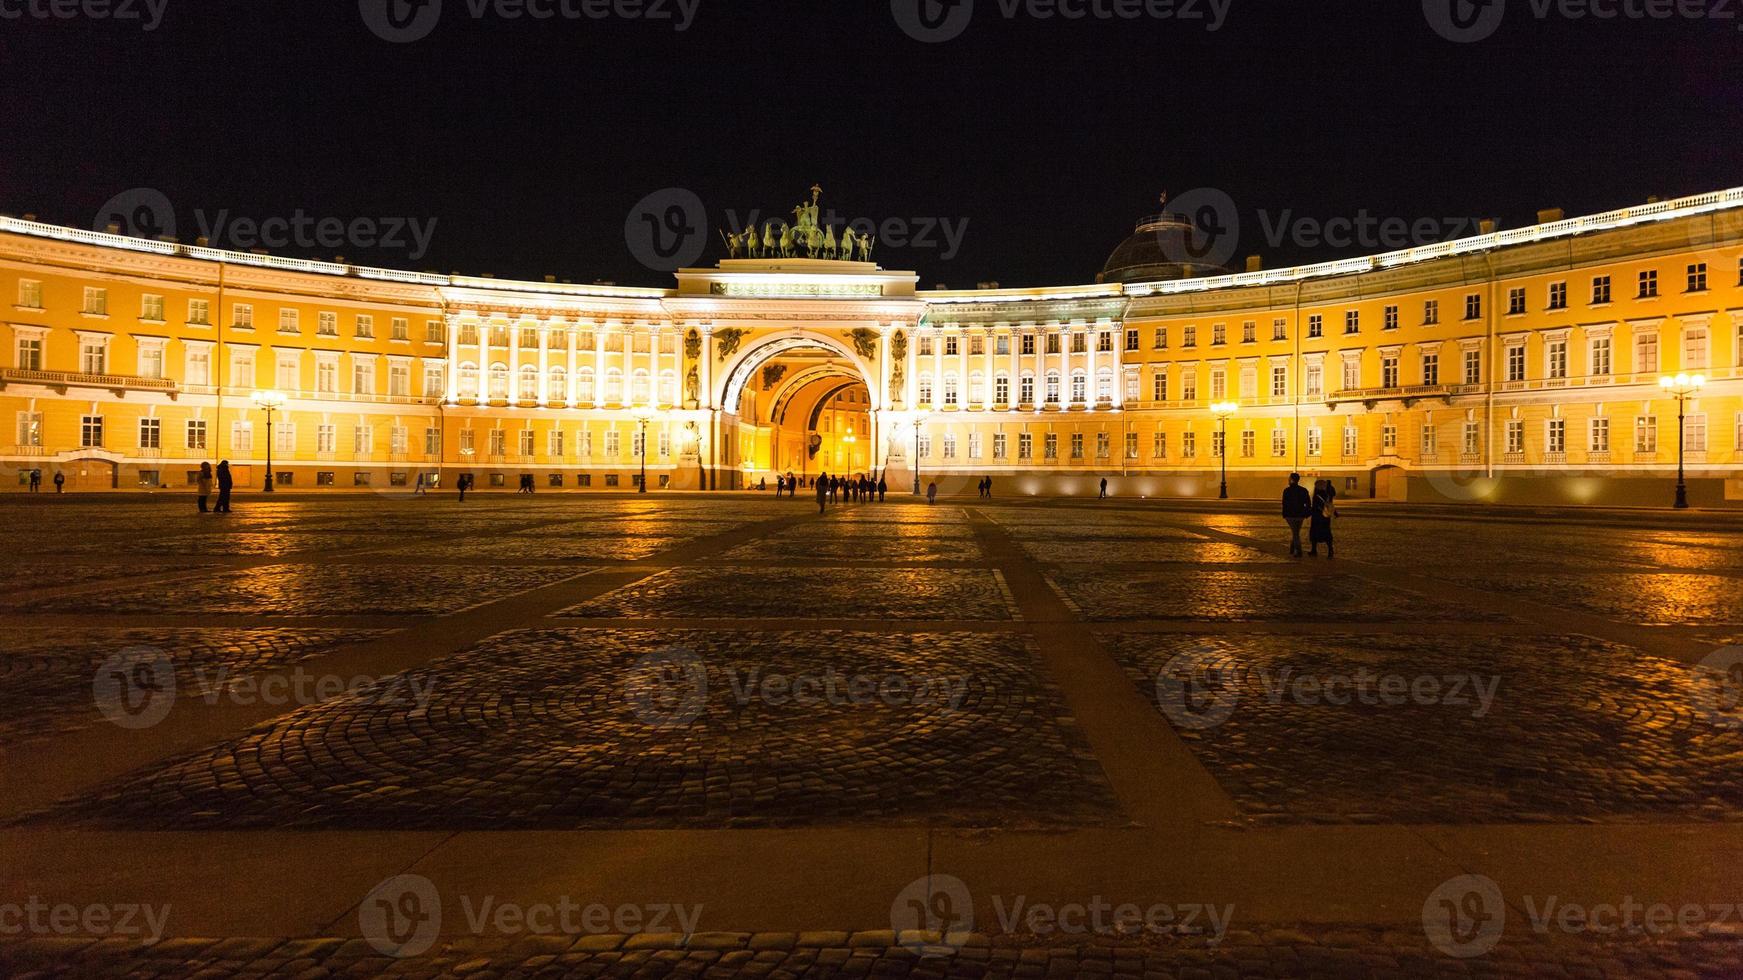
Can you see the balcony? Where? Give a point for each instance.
(60, 381)
(1408, 394)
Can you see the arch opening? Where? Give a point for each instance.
(802, 406)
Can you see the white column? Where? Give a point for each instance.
(544, 363)
(991, 390)
(599, 363)
(569, 396)
(1091, 343)
(880, 398)
(708, 366)
(1016, 366)
(937, 369)
(450, 388)
(514, 362)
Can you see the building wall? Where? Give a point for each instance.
(1479, 376)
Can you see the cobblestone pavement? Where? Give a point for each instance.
(1442, 729)
(46, 675)
(583, 728)
(826, 592)
(603, 705)
(1274, 954)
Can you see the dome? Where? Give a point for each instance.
(1161, 247)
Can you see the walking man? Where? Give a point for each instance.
(225, 482)
(1104, 488)
(822, 492)
(932, 492)
(883, 488)
(1297, 507)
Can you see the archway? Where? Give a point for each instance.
(800, 404)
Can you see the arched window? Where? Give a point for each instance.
(1104, 385)
(558, 385)
(584, 385)
(1026, 394)
(499, 380)
(614, 386)
(950, 388)
(468, 380)
(925, 395)
(1052, 387)
(977, 388)
(1077, 386)
(638, 387)
(668, 387)
(529, 383)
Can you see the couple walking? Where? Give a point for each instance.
(1317, 509)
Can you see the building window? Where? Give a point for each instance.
(1646, 354)
(1315, 326)
(1002, 389)
(1279, 329)
(29, 294)
(363, 377)
(1002, 344)
(432, 441)
(1558, 295)
(365, 326)
(1474, 306)
(1077, 445)
(284, 438)
(1104, 342)
(91, 431)
(399, 380)
(527, 439)
(1279, 381)
(1052, 387)
(1025, 446)
(1516, 362)
(1695, 433)
(327, 324)
(1352, 321)
(1648, 284)
(1028, 345)
(1391, 320)
(287, 321)
(1555, 436)
(150, 433)
(1646, 434)
(1131, 445)
(1315, 380)
(1516, 301)
(1249, 440)
(925, 349)
(196, 434)
(1430, 368)
(1600, 354)
(1219, 384)
(1352, 379)
(925, 395)
(1555, 353)
(29, 350)
(1351, 441)
(1131, 340)
(1159, 387)
(1216, 444)
(977, 344)
(1599, 430)
(1079, 343)
(1189, 445)
(326, 438)
(1515, 437)
(96, 302)
(1473, 367)
(1161, 338)
(1026, 392)
(1279, 443)
(1694, 348)
(1600, 290)
(1389, 439)
(1189, 336)
(1078, 387)
(242, 315)
(326, 375)
(1315, 441)
(950, 390)
(362, 440)
(151, 360)
(1159, 445)
(1431, 312)
(241, 436)
(998, 445)
(1050, 446)
(1473, 438)
(151, 308)
(94, 355)
(1249, 332)
(1389, 371)
(1429, 439)
(950, 346)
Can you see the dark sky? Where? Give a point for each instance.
(530, 142)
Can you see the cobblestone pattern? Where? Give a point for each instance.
(46, 675)
(876, 531)
(1115, 550)
(1269, 954)
(546, 729)
(826, 545)
(832, 592)
(1578, 729)
(1109, 594)
(510, 548)
(44, 573)
(270, 543)
(1648, 598)
(327, 589)
(625, 528)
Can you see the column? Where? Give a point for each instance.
(514, 363)
(544, 362)
(992, 388)
(599, 363)
(880, 397)
(569, 396)
(450, 387)
(1091, 343)
(937, 369)
(708, 366)
(1016, 366)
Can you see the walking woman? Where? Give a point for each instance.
(1319, 525)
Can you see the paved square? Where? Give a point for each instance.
(817, 592)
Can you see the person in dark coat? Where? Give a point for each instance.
(1297, 507)
(1319, 528)
(883, 488)
(822, 492)
(225, 483)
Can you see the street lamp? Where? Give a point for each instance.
(643, 415)
(1222, 411)
(269, 402)
(919, 420)
(1683, 386)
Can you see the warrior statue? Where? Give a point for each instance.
(733, 244)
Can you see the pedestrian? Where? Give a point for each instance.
(1104, 488)
(883, 488)
(203, 483)
(989, 488)
(780, 485)
(35, 481)
(1297, 507)
(1324, 510)
(60, 482)
(225, 483)
(420, 488)
(822, 492)
(932, 492)
(463, 484)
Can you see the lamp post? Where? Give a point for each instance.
(269, 402)
(1683, 386)
(919, 420)
(1222, 411)
(644, 415)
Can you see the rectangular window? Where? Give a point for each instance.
(241, 436)
(1159, 445)
(1050, 446)
(284, 438)
(1189, 337)
(1695, 433)
(1389, 439)
(363, 377)
(1052, 343)
(526, 442)
(499, 442)
(288, 374)
(1315, 441)
(1646, 354)
(1279, 443)
(1216, 444)
(1025, 446)
(1431, 312)
(1077, 445)
(1515, 437)
(1600, 290)
(1315, 326)
(94, 356)
(91, 431)
(96, 302)
(1516, 301)
(399, 380)
(1352, 321)
(1555, 353)
(1648, 284)
(1558, 296)
(1249, 443)
(1646, 434)
(151, 433)
(434, 332)
(1429, 439)
(151, 308)
(151, 361)
(1391, 318)
(1159, 387)
(243, 315)
(1352, 379)
(950, 346)
(1104, 342)
(1473, 438)
(1028, 346)
(365, 326)
(1473, 367)
(326, 375)
(1600, 353)
(1279, 381)
(1315, 380)
(1280, 329)
(1131, 445)
(1474, 306)
(1389, 371)
(1351, 441)
(613, 444)
(29, 350)
(1002, 344)
(327, 324)
(1189, 385)
(1555, 436)
(998, 445)
(1430, 369)
(326, 438)
(1249, 332)
(1161, 338)
(1219, 384)
(1189, 445)
(432, 441)
(196, 434)
(288, 321)
(1516, 362)
(1694, 348)
(1131, 340)
(29, 294)
(397, 440)
(1599, 429)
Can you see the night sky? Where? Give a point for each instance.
(529, 142)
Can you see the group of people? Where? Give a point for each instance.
(60, 481)
(1316, 510)
(835, 489)
(221, 478)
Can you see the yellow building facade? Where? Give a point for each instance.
(1523, 365)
